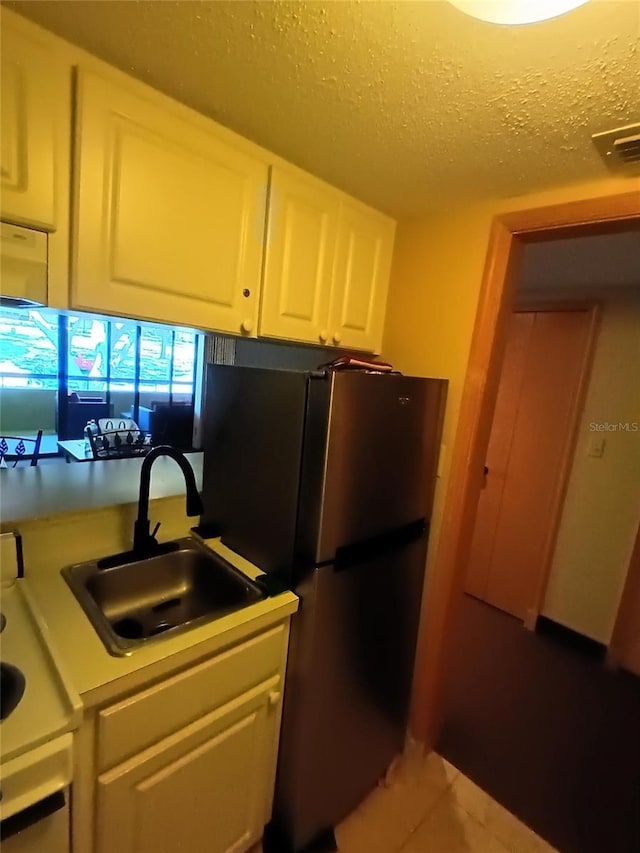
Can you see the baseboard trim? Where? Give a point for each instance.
(570, 638)
(275, 842)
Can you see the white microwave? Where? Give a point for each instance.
(23, 255)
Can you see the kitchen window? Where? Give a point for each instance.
(51, 362)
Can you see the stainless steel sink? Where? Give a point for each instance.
(132, 602)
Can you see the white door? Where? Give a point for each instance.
(169, 218)
(531, 443)
(301, 234)
(36, 96)
(205, 789)
(361, 277)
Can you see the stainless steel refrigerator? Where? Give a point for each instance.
(325, 480)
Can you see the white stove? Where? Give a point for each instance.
(40, 710)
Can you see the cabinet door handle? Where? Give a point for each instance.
(323, 335)
(337, 337)
(274, 698)
(247, 326)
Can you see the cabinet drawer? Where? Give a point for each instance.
(144, 718)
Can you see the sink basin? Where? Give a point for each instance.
(131, 602)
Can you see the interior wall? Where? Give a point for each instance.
(602, 506)
(435, 285)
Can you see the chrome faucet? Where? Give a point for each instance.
(144, 541)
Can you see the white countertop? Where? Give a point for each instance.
(77, 512)
(47, 490)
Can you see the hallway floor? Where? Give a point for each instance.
(547, 730)
(427, 806)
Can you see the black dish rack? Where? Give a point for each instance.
(121, 442)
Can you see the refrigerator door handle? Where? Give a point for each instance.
(350, 556)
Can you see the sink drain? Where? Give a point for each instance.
(129, 628)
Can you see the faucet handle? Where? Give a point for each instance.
(155, 530)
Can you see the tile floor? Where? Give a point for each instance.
(425, 805)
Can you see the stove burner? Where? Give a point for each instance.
(12, 686)
(3, 622)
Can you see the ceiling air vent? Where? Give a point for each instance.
(620, 148)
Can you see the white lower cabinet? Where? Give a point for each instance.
(187, 762)
(203, 790)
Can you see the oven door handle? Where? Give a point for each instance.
(31, 815)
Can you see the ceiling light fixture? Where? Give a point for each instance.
(516, 11)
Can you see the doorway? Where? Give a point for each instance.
(550, 735)
(510, 233)
(542, 384)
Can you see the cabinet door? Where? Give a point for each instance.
(36, 92)
(301, 233)
(205, 789)
(169, 219)
(361, 277)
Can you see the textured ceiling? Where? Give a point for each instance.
(602, 261)
(403, 104)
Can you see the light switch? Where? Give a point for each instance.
(596, 448)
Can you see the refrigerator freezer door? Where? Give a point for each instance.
(349, 673)
(376, 469)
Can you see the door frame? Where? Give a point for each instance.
(509, 234)
(626, 619)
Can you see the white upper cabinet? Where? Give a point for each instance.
(169, 209)
(36, 93)
(327, 264)
(169, 218)
(300, 249)
(361, 277)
